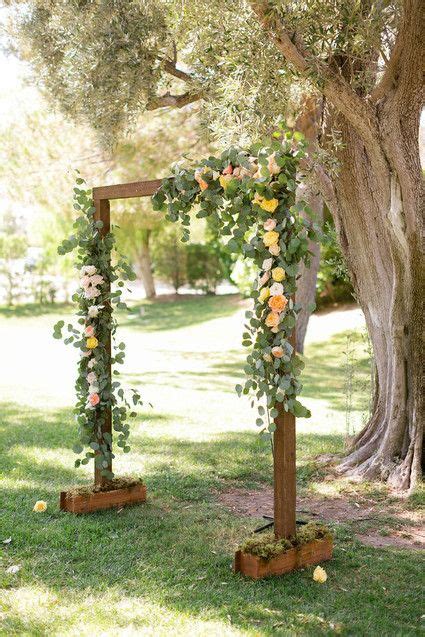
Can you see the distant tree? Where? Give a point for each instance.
(170, 257)
(13, 246)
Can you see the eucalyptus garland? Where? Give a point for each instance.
(251, 196)
(99, 265)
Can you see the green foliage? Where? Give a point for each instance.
(267, 546)
(243, 274)
(12, 246)
(204, 267)
(240, 190)
(107, 76)
(98, 394)
(100, 61)
(333, 280)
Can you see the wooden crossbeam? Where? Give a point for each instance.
(127, 191)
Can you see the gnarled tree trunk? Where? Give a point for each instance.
(379, 212)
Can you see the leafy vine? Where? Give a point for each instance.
(99, 392)
(251, 196)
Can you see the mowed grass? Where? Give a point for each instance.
(165, 567)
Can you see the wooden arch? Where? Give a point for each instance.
(284, 441)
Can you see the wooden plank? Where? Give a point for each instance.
(284, 471)
(300, 557)
(102, 499)
(126, 191)
(103, 214)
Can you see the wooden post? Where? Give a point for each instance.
(284, 471)
(102, 213)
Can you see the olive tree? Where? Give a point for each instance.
(247, 62)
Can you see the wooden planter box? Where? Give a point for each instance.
(305, 555)
(102, 499)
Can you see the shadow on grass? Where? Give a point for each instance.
(34, 309)
(325, 373)
(176, 550)
(159, 315)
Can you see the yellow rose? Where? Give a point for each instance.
(92, 342)
(269, 205)
(264, 294)
(270, 238)
(224, 180)
(40, 506)
(320, 575)
(278, 274)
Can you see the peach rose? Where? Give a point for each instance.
(198, 177)
(277, 351)
(94, 399)
(263, 279)
(270, 238)
(278, 303)
(269, 224)
(272, 165)
(85, 281)
(89, 331)
(274, 249)
(272, 319)
(228, 170)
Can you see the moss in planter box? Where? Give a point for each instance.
(267, 546)
(124, 482)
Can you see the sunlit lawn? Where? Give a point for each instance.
(165, 567)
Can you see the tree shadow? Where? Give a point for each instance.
(159, 315)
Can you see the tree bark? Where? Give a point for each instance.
(145, 265)
(379, 218)
(309, 123)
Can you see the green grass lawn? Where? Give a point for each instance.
(165, 567)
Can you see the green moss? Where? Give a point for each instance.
(267, 546)
(124, 482)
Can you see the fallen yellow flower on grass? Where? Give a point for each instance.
(40, 506)
(320, 575)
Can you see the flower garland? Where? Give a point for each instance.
(251, 196)
(97, 395)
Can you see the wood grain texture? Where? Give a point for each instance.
(126, 191)
(103, 499)
(305, 555)
(103, 213)
(284, 471)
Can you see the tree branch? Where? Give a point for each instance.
(171, 68)
(356, 110)
(175, 101)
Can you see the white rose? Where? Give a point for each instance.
(91, 363)
(93, 311)
(93, 389)
(267, 264)
(88, 269)
(275, 289)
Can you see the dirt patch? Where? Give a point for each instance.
(385, 524)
